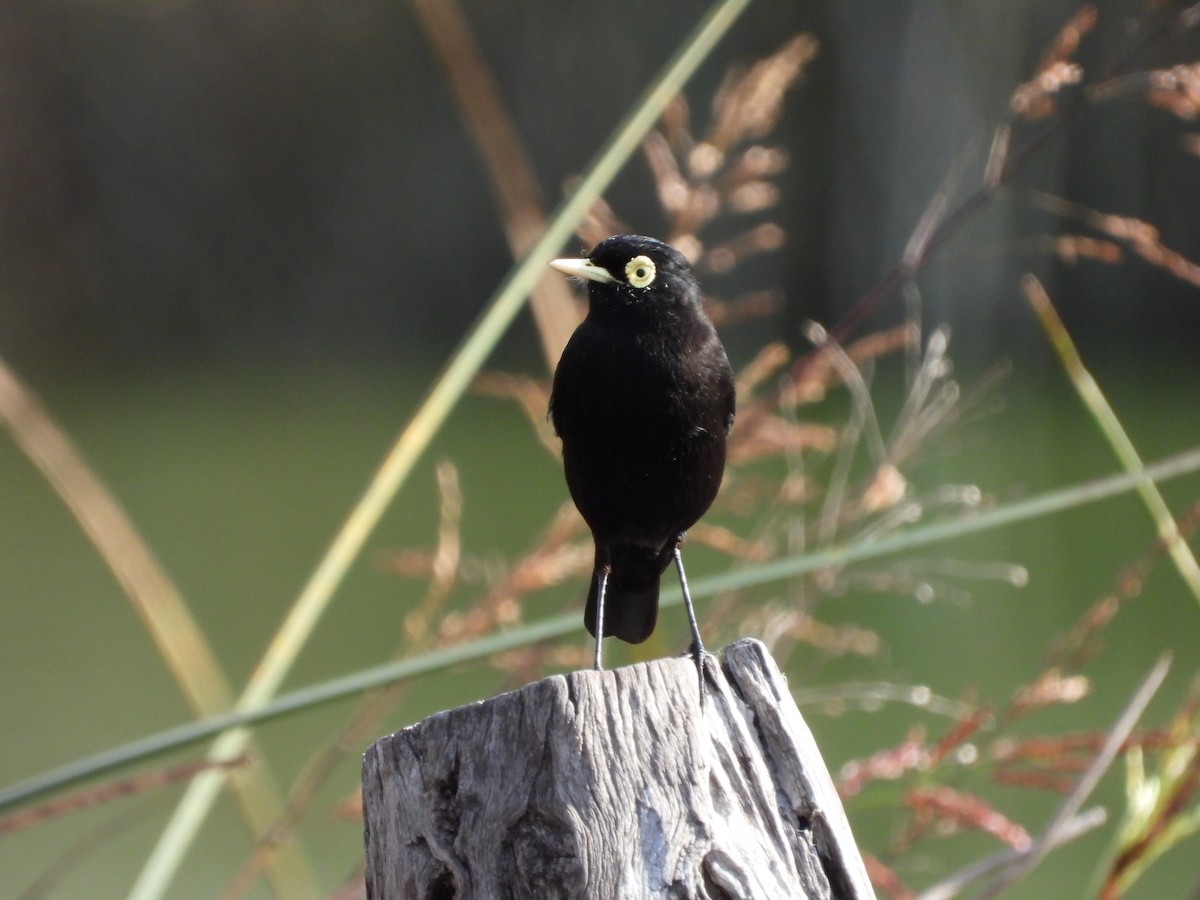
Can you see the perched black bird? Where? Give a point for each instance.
(643, 400)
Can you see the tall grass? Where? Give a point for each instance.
(830, 495)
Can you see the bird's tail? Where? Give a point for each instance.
(631, 597)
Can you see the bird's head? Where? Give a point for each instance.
(630, 270)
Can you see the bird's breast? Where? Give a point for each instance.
(642, 418)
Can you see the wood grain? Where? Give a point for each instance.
(612, 784)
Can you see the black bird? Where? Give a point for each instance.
(643, 399)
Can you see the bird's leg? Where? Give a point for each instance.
(602, 573)
(697, 648)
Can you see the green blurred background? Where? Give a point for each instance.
(237, 242)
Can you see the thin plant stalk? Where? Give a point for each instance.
(314, 599)
(556, 626)
(373, 706)
(955, 884)
(1093, 398)
(510, 173)
(154, 596)
(1070, 807)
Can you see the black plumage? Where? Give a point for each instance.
(643, 399)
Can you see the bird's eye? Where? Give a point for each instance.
(639, 271)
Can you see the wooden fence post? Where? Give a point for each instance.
(615, 784)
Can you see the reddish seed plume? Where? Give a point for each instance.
(962, 809)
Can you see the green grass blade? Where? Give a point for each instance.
(449, 387)
(1042, 505)
(1097, 404)
(156, 599)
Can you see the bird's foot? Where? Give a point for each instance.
(700, 656)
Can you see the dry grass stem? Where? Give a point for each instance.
(111, 791)
(442, 572)
(952, 809)
(1060, 821)
(532, 395)
(1035, 98)
(510, 173)
(822, 373)
(959, 881)
(1139, 236)
(154, 597)
(151, 592)
(886, 765)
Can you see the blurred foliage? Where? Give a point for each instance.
(288, 189)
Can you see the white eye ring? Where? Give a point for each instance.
(640, 271)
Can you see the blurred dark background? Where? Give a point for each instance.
(188, 180)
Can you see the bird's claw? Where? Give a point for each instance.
(701, 657)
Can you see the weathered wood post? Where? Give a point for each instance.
(615, 784)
